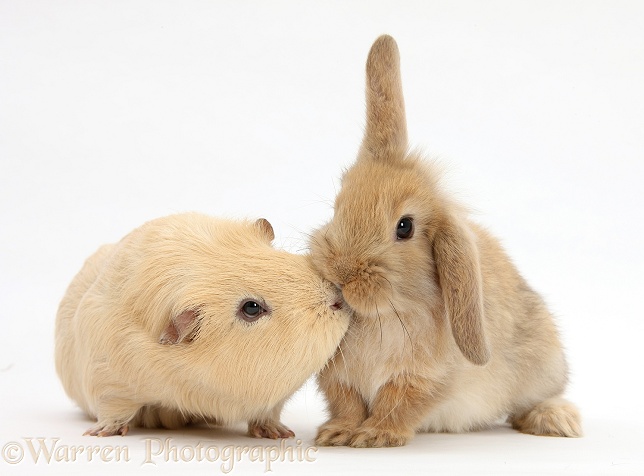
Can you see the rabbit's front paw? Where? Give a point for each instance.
(373, 437)
(335, 432)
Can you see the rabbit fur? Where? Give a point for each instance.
(446, 335)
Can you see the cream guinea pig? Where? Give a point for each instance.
(191, 318)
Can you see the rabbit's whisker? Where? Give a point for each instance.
(411, 342)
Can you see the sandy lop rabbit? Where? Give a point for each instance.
(447, 335)
(191, 318)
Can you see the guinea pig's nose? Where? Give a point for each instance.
(336, 306)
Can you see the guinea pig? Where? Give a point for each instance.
(190, 318)
(447, 335)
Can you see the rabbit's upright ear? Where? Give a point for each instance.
(459, 275)
(386, 129)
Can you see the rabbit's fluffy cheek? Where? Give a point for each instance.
(369, 294)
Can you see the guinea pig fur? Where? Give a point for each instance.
(191, 318)
(446, 334)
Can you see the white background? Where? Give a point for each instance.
(116, 112)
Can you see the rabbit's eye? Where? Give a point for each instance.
(405, 228)
(250, 311)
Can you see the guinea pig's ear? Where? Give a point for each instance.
(459, 275)
(181, 327)
(386, 129)
(265, 228)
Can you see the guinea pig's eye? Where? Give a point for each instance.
(405, 228)
(250, 311)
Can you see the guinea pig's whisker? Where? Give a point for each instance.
(344, 361)
(326, 238)
(350, 351)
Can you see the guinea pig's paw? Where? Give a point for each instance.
(335, 433)
(108, 429)
(269, 429)
(373, 437)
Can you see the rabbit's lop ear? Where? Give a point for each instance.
(181, 327)
(459, 275)
(386, 129)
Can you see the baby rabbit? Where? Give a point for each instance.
(447, 336)
(191, 318)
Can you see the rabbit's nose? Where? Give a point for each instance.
(336, 306)
(346, 270)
